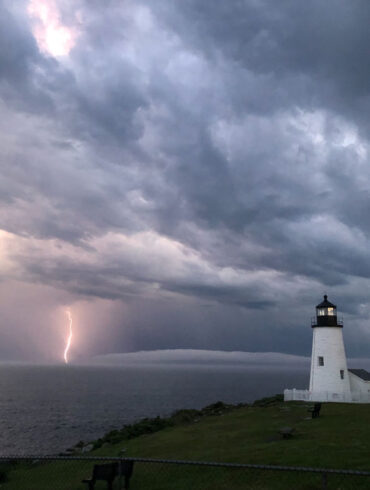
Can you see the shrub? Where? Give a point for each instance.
(269, 401)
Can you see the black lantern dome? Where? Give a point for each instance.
(326, 315)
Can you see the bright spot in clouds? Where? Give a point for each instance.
(51, 35)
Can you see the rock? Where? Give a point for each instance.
(287, 432)
(88, 448)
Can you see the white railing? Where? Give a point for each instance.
(298, 395)
(325, 396)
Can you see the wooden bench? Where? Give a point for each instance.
(315, 410)
(108, 472)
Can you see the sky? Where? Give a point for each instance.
(182, 175)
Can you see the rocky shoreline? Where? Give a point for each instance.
(151, 425)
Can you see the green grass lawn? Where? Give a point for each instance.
(339, 438)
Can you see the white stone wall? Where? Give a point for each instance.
(328, 343)
(359, 385)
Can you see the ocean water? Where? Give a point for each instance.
(46, 409)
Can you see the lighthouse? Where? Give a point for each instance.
(329, 379)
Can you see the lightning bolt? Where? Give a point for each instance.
(69, 340)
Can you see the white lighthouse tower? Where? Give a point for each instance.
(329, 379)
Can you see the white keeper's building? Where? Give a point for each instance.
(330, 379)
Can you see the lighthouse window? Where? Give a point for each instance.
(321, 361)
(341, 374)
(330, 311)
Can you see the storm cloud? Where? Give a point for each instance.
(183, 175)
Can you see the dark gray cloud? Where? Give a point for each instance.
(200, 167)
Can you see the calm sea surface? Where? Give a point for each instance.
(44, 410)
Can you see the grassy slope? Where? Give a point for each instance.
(339, 438)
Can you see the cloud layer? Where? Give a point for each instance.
(198, 172)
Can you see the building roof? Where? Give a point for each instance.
(361, 373)
(325, 303)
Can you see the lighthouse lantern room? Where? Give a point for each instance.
(326, 315)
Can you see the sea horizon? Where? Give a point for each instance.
(188, 357)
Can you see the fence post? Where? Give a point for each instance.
(324, 481)
(120, 475)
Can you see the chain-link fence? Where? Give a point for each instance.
(92, 473)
